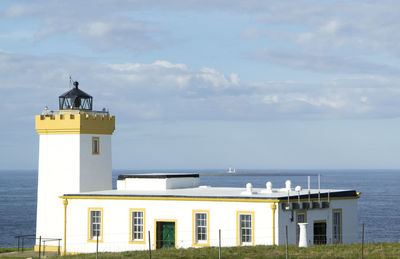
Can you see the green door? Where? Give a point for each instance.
(165, 235)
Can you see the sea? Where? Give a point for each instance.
(378, 207)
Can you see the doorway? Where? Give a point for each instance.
(165, 234)
(320, 232)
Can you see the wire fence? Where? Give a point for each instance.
(220, 240)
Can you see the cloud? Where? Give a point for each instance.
(163, 90)
(101, 28)
(325, 63)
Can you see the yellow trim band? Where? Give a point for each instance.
(164, 198)
(121, 197)
(81, 123)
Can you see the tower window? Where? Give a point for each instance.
(95, 146)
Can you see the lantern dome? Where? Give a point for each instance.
(75, 99)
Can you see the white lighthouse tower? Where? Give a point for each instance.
(74, 157)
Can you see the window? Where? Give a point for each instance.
(301, 217)
(137, 226)
(95, 224)
(245, 228)
(95, 145)
(319, 232)
(336, 226)
(200, 227)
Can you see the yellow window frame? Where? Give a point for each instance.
(94, 140)
(89, 226)
(195, 243)
(253, 221)
(131, 240)
(341, 225)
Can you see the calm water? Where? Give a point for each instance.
(377, 207)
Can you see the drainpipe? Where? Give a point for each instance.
(65, 203)
(273, 208)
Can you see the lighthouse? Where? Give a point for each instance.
(74, 157)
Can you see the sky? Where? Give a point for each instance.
(210, 84)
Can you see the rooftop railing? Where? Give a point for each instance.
(64, 112)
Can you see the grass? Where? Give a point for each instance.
(371, 251)
(8, 249)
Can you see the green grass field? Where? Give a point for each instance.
(6, 250)
(372, 250)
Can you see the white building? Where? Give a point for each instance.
(76, 202)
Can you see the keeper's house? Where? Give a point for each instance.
(77, 204)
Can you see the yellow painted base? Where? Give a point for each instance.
(47, 248)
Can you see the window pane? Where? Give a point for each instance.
(137, 225)
(245, 228)
(95, 224)
(201, 226)
(337, 226)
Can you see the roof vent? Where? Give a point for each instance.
(268, 187)
(288, 185)
(249, 189)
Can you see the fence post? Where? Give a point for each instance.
(148, 233)
(59, 240)
(219, 250)
(44, 247)
(362, 242)
(97, 245)
(18, 243)
(287, 247)
(40, 245)
(23, 244)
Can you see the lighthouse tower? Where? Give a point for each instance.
(74, 157)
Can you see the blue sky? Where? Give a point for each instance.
(210, 84)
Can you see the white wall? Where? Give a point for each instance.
(116, 222)
(95, 170)
(349, 222)
(67, 165)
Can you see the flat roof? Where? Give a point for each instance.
(219, 193)
(157, 175)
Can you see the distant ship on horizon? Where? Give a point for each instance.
(231, 170)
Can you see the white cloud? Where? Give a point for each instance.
(163, 90)
(325, 63)
(364, 99)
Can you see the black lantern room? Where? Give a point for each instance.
(75, 99)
